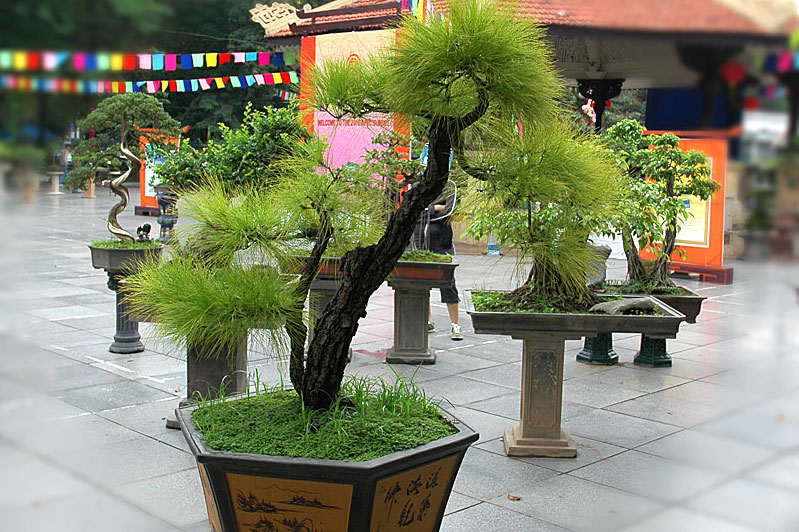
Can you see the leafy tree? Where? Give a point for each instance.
(244, 155)
(659, 174)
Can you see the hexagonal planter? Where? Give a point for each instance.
(539, 432)
(407, 490)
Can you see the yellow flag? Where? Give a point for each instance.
(220, 83)
(114, 86)
(164, 85)
(20, 61)
(210, 60)
(277, 78)
(117, 61)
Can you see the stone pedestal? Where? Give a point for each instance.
(411, 306)
(539, 432)
(89, 194)
(652, 353)
(598, 350)
(126, 338)
(54, 184)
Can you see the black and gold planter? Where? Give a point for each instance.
(407, 490)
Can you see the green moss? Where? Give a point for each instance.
(120, 244)
(637, 287)
(361, 427)
(421, 255)
(494, 301)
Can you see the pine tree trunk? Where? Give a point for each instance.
(363, 270)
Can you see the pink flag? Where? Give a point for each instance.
(785, 62)
(50, 60)
(151, 87)
(101, 87)
(238, 57)
(205, 84)
(263, 58)
(269, 79)
(170, 62)
(145, 62)
(79, 61)
(259, 79)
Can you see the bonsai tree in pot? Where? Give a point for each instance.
(659, 175)
(454, 74)
(116, 120)
(543, 190)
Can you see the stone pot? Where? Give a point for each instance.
(689, 305)
(539, 432)
(119, 263)
(245, 492)
(209, 369)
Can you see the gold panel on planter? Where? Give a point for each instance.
(411, 499)
(210, 503)
(267, 503)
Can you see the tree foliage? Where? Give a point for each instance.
(244, 155)
(658, 176)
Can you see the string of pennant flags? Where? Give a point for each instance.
(80, 86)
(34, 60)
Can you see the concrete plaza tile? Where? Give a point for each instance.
(458, 501)
(121, 463)
(65, 313)
(76, 375)
(757, 430)
(486, 517)
(634, 379)
(767, 378)
(63, 436)
(588, 452)
(497, 350)
(20, 413)
(708, 451)
(454, 361)
(200, 526)
(685, 369)
(782, 472)
(112, 395)
(91, 324)
(783, 409)
(460, 391)
(579, 505)
(596, 395)
(142, 364)
(484, 475)
(487, 425)
(147, 418)
(87, 512)
(650, 476)
(31, 481)
(507, 406)
(573, 369)
(753, 504)
(509, 375)
(617, 429)
(176, 498)
(678, 519)
(63, 342)
(707, 393)
(664, 409)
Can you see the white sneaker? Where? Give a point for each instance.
(455, 332)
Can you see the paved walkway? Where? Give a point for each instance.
(709, 444)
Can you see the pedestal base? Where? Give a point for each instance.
(598, 350)
(125, 347)
(395, 356)
(653, 353)
(562, 447)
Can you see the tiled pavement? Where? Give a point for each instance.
(709, 444)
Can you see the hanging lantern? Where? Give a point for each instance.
(733, 73)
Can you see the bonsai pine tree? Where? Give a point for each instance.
(114, 123)
(658, 176)
(542, 191)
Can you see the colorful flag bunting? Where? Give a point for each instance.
(251, 56)
(263, 58)
(205, 84)
(289, 58)
(145, 62)
(158, 61)
(186, 61)
(103, 61)
(277, 59)
(197, 60)
(129, 62)
(224, 58)
(210, 59)
(238, 57)
(171, 62)
(117, 61)
(220, 83)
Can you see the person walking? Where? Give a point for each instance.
(434, 233)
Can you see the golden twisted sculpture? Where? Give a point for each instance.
(117, 185)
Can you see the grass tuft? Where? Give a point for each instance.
(121, 244)
(371, 418)
(422, 255)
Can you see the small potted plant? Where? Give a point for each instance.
(114, 122)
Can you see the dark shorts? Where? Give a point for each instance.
(441, 242)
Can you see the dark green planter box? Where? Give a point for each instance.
(407, 490)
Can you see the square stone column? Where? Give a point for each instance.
(539, 432)
(411, 305)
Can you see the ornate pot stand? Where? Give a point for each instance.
(539, 432)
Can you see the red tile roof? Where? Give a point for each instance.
(651, 16)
